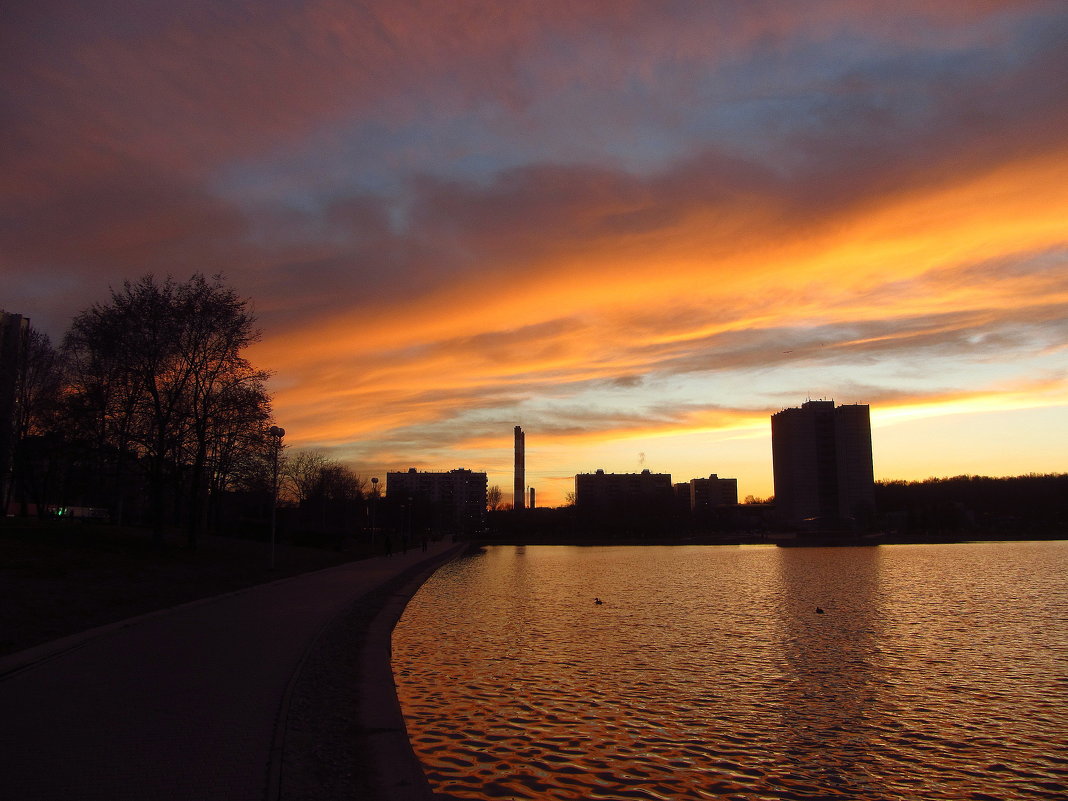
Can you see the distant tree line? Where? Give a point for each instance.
(1029, 505)
(148, 408)
(1033, 506)
(324, 501)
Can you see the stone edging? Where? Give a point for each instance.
(342, 731)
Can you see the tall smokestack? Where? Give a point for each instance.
(520, 488)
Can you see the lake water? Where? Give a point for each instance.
(935, 672)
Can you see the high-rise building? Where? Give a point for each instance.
(823, 462)
(519, 489)
(454, 501)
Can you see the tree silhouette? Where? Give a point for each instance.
(157, 378)
(37, 416)
(330, 496)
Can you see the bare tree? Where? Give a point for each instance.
(217, 327)
(494, 498)
(302, 473)
(342, 483)
(101, 400)
(311, 475)
(37, 420)
(329, 494)
(240, 449)
(156, 372)
(41, 385)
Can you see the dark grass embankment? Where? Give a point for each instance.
(60, 578)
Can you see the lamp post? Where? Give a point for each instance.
(277, 434)
(374, 500)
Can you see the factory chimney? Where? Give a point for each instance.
(520, 487)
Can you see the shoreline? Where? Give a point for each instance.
(344, 732)
(771, 539)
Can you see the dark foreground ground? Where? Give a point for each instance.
(62, 578)
(342, 733)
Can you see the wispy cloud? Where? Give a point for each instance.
(616, 221)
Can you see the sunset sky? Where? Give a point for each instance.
(636, 229)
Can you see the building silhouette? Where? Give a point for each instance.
(612, 493)
(519, 487)
(446, 503)
(822, 463)
(711, 493)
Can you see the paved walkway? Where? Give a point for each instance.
(185, 704)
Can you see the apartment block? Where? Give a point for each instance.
(822, 462)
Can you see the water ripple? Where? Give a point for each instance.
(707, 675)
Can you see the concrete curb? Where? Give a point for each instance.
(399, 775)
(341, 732)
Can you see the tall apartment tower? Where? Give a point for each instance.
(520, 486)
(822, 462)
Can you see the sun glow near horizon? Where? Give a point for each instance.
(875, 296)
(579, 219)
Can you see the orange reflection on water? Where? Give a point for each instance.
(707, 673)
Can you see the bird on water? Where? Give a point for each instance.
(598, 601)
(819, 611)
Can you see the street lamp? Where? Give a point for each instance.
(277, 433)
(374, 500)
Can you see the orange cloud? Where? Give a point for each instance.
(824, 274)
(624, 221)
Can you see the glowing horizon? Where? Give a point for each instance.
(635, 230)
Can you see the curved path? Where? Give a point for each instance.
(191, 702)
